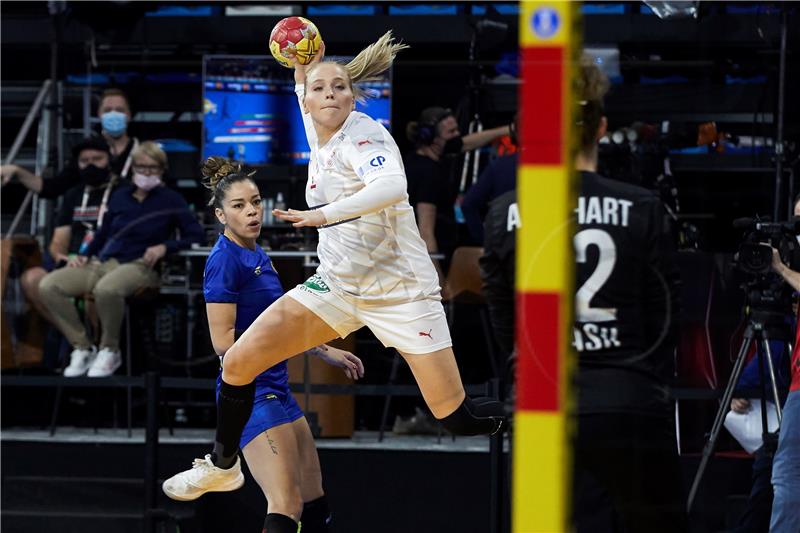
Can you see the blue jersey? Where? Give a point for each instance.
(246, 278)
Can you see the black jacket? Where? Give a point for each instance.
(497, 267)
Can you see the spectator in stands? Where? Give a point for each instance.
(137, 232)
(114, 113)
(432, 190)
(80, 215)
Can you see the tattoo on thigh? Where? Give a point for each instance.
(272, 444)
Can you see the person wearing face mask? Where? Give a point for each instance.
(430, 168)
(136, 233)
(114, 114)
(81, 214)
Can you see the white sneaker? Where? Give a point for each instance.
(106, 363)
(79, 361)
(203, 477)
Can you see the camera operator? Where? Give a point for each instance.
(786, 465)
(432, 190)
(626, 308)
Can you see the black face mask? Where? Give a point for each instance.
(453, 146)
(94, 176)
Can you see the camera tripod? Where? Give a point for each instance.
(761, 329)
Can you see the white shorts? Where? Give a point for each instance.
(417, 327)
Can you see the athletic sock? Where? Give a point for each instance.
(486, 406)
(280, 523)
(466, 421)
(316, 516)
(234, 405)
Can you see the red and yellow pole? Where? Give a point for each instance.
(545, 196)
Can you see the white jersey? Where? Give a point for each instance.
(378, 257)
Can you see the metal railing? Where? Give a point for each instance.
(42, 139)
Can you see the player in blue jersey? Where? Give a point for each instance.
(239, 283)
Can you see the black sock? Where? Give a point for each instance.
(486, 418)
(279, 523)
(485, 406)
(234, 405)
(316, 516)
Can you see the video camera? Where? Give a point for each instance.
(755, 254)
(766, 290)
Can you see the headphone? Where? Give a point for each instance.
(426, 130)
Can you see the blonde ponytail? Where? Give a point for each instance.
(370, 63)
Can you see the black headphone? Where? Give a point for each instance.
(426, 130)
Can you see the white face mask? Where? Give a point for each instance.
(146, 183)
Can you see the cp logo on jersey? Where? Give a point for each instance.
(377, 161)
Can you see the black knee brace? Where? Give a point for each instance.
(316, 516)
(278, 523)
(484, 417)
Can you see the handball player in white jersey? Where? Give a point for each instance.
(374, 269)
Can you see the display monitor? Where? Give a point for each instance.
(251, 114)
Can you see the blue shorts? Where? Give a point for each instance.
(271, 408)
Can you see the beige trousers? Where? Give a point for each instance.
(109, 282)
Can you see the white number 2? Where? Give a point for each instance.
(605, 266)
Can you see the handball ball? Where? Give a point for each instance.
(294, 37)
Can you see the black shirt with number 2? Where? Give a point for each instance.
(626, 301)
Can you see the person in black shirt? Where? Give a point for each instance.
(432, 190)
(626, 310)
(78, 214)
(114, 114)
